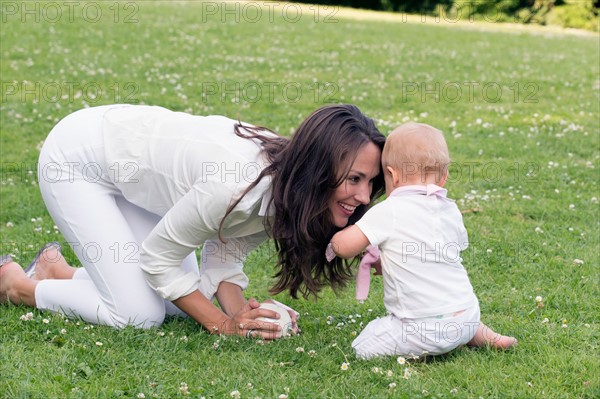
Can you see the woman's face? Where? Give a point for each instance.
(356, 189)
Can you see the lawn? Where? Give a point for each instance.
(520, 109)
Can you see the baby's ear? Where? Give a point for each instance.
(442, 182)
(395, 175)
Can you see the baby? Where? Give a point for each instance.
(420, 234)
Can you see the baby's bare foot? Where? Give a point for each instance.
(503, 342)
(485, 336)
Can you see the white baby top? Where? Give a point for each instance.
(188, 169)
(420, 234)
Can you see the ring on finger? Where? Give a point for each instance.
(250, 333)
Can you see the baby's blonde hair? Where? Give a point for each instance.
(416, 150)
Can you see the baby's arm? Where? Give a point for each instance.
(349, 242)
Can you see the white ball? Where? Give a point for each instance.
(285, 321)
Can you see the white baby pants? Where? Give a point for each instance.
(391, 336)
(104, 230)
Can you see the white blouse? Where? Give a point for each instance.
(188, 169)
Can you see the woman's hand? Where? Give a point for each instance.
(244, 322)
(293, 315)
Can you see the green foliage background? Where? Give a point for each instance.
(580, 14)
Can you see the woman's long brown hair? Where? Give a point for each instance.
(305, 171)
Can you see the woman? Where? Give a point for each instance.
(136, 189)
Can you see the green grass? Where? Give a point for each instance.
(530, 164)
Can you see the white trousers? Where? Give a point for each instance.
(391, 336)
(104, 230)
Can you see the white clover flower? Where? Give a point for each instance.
(183, 388)
(390, 373)
(141, 395)
(300, 349)
(283, 396)
(9, 225)
(578, 261)
(392, 385)
(344, 366)
(235, 394)
(538, 299)
(401, 360)
(539, 230)
(27, 316)
(98, 343)
(545, 320)
(312, 353)
(63, 331)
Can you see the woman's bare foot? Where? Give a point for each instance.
(485, 336)
(15, 286)
(52, 265)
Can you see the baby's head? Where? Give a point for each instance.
(415, 154)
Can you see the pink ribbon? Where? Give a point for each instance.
(363, 277)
